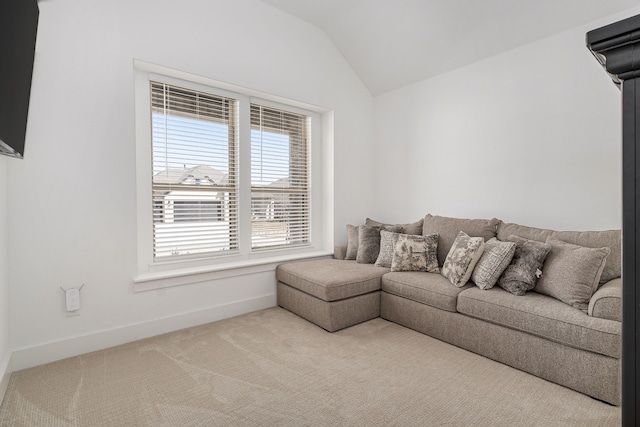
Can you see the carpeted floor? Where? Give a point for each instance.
(272, 368)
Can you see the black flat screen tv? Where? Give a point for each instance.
(18, 29)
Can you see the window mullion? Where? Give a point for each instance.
(244, 175)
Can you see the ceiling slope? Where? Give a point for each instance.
(390, 44)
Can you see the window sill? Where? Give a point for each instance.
(187, 276)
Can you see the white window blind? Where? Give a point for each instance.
(194, 148)
(280, 211)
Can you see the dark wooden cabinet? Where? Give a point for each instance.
(617, 48)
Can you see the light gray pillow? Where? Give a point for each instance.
(572, 273)
(368, 244)
(352, 242)
(416, 253)
(388, 238)
(525, 268)
(462, 258)
(495, 259)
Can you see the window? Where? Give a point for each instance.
(227, 178)
(193, 138)
(195, 205)
(279, 178)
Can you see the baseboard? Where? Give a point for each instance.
(5, 374)
(50, 352)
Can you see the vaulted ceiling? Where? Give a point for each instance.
(392, 43)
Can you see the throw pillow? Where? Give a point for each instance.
(525, 268)
(388, 239)
(572, 273)
(462, 258)
(413, 228)
(495, 259)
(352, 242)
(368, 244)
(611, 239)
(416, 253)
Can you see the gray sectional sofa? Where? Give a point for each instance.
(534, 332)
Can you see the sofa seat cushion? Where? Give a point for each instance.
(427, 288)
(331, 279)
(543, 316)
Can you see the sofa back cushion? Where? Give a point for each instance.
(412, 228)
(611, 239)
(448, 228)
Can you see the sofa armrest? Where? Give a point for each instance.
(340, 252)
(606, 303)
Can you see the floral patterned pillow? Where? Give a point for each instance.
(416, 253)
(462, 258)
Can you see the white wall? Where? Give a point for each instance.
(72, 200)
(5, 347)
(531, 136)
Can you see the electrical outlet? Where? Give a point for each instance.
(72, 299)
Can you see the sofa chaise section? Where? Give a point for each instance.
(331, 293)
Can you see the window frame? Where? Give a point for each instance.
(153, 273)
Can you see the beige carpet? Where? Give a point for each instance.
(272, 368)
